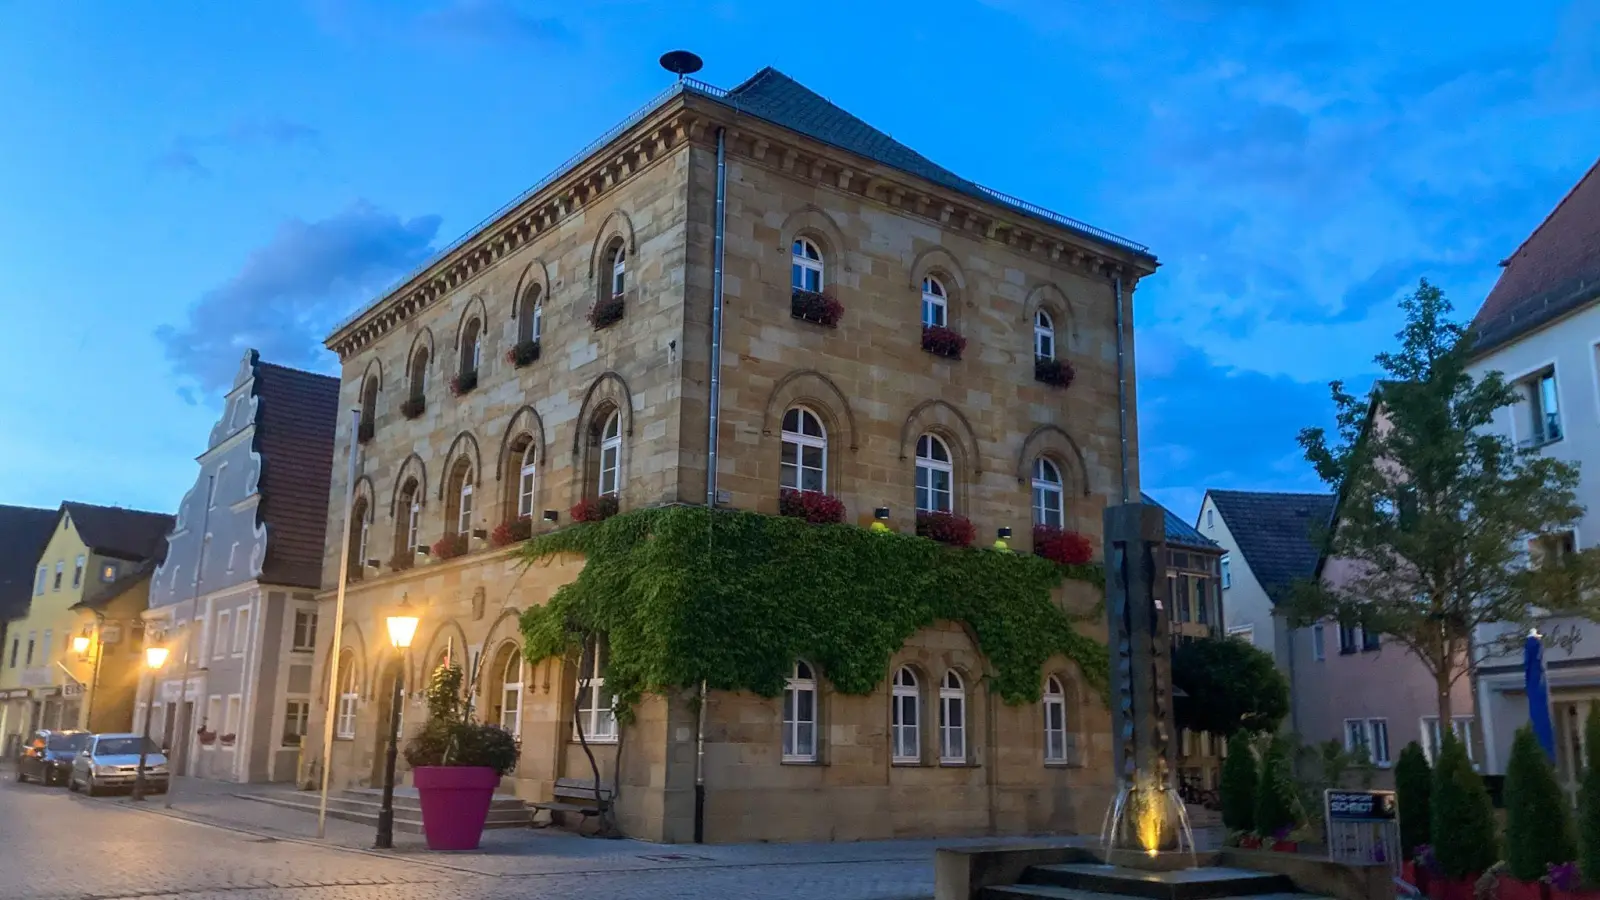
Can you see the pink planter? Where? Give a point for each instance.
(1452, 888)
(455, 804)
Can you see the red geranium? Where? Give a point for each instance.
(821, 308)
(597, 510)
(1057, 372)
(1067, 547)
(511, 532)
(947, 528)
(942, 341)
(813, 506)
(450, 546)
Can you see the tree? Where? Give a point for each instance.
(1230, 686)
(1413, 785)
(1275, 795)
(1538, 825)
(1589, 800)
(1462, 825)
(1437, 508)
(1239, 778)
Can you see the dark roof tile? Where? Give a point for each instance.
(1178, 531)
(1277, 534)
(24, 532)
(129, 534)
(294, 435)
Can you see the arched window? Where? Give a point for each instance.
(934, 475)
(527, 478)
(1048, 497)
(458, 518)
(530, 324)
(408, 518)
(800, 715)
(934, 301)
(417, 374)
(595, 703)
(471, 346)
(369, 409)
(616, 267)
(511, 692)
(1044, 336)
(805, 268)
(349, 688)
(1055, 721)
(611, 455)
(905, 706)
(805, 451)
(360, 528)
(952, 719)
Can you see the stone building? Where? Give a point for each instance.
(889, 335)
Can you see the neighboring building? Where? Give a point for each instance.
(1540, 327)
(1194, 600)
(110, 619)
(244, 563)
(24, 530)
(819, 205)
(88, 546)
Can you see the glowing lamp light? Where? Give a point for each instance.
(402, 626)
(80, 645)
(155, 657)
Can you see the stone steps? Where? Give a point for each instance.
(363, 804)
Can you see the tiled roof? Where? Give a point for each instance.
(129, 534)
(1277, 533)
(1177, 530)
(294, 435)
(105, 593)
(1556, 270)
(24, 530)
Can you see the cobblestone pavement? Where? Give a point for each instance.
(60, 846)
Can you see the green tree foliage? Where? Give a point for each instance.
(1436, 505)
(686, 595)
(1413, 786)
(1229, 686)
(1275, 793)
(1463, 828)
(1538, 825)
(1239, 777)
(1589, 800)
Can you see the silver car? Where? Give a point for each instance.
(112, 760)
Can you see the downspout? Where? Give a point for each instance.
(1122, 385)
(717, 244)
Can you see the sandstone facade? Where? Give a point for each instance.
(880, 231)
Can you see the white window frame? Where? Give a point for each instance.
(935, 303)
(292, 718)
(77, 570)
(599, 719)
(1055, 721)
(928, 467)
(241, 630)
(1044, 336)
(213, 720)
(233, 715)
(1049, 494)
(362, 536)
(220, 635)
(212, 488)
(304, 638)
(611, 455)
(527, 479)
(349, 699)
(61, 570)
(1319, 642)
(1246, 633)
(800, 440)
(1463, 726)
(1227, 571)
(952, 719)
(413, 523)
(538, 318)
(511, 695)
(1375, 728)
(806, 268)
(905, 717)
(619, 269)
(474, 348)
(41, 580)
(800, 745)
(464, 505)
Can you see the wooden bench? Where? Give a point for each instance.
(571, 795)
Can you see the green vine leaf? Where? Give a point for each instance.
(686, 594)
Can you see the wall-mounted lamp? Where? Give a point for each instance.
(1004, 533)
(881, 513)
(551, 515)
(373, 564)
(80, 645)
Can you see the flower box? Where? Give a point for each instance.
(1509, 888)
(597, 510)
(403, 560)
(947, 528)
(364, 431)
(523, 353)
(207, 738)
(1065, 547)
(942, 341)
(512, 532)
(450, 546)
(1442, 888)
(1055, 372)
(606, 313)
(811, 306)
(464, 383)
(413, 407)
(813, 506)
(227, 740)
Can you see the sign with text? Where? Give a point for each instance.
(1361, 805)
(1363, 827)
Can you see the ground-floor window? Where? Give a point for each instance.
(800, 715)
(905, 700)
(1055, 721)
(295, 715)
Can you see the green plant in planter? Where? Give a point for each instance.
(1589, 800)
(1413, 785)
(451, 738)
(1462, 828)
(1538, 826)
(1239, 779)
(1275, 794)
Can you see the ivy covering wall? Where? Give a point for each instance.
(686, 594)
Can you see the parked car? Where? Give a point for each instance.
(47, 758)
(110, 761)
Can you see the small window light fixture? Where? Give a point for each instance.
(480, 533)
(881, 513)
(551, 515)
(80, 645)
(422, 550)
(1004, 534)
(374, 564)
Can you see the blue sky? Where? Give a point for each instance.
(180, 181)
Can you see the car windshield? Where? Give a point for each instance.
(124, 746)
(67, 742)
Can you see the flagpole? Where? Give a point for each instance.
(338, 628)
(188, 647)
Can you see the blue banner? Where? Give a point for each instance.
(1533, 677)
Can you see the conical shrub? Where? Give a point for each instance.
(1413, 786)
(1239, 777)
(1538, 823)
(1463, 818)
(1589, 800)
(1275, 793)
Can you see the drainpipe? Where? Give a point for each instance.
(1122, 385)
(717, 244)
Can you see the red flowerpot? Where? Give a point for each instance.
(455, 804)
(1286, 846)
(1514, 889)
(1442, 888)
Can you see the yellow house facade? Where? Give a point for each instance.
(48, 666)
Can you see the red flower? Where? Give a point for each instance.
(512, 531)
(597, 510)
(523, 353)
(464, 383)
(942, 341)
(813, 506)
(606, 312)
(1057, 372)
(450, 546)
(821, 308)
(947, 528)
(1066, 547)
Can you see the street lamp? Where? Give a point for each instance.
(80, 646)
(155, 657)
(402, 625)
